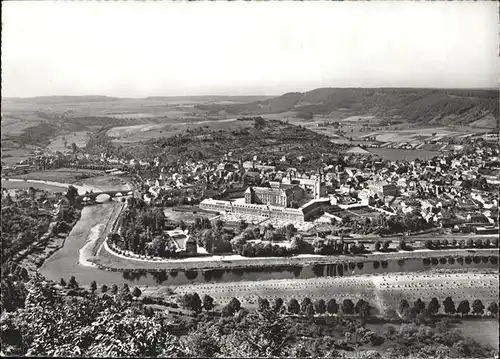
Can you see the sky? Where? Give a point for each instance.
(139, 49)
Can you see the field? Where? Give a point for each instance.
(144, 132)
(364, 212)
(79, 138)
(423, 107)
(62, 175)
(415, 114)
(356, 129)
(186, 216)
(15, 122)
(399, 155)
(392, 288)
(13, 156)
(104, 183)
(340, 288)
(75, 116)
(25, 185)
(482, 330)
(90, 179)
(248, 292)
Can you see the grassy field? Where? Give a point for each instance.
(15, 122)
(339, 288)
(184, 215)
(399, 155)
(92, 179)
(144, 132)
(248, 292)
(392, 288)
(63, 175)
(104, 183)
(484, 331)
(13, 156)
(80, 139)
(357, 127)
(26, 185)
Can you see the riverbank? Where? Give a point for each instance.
(109, 260)
(87, 251)
(65, 261)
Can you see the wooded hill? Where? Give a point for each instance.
(425, 106)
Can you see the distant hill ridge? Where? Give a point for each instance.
(97, 98)
(210, 98)
(475, 107)
(61, 99)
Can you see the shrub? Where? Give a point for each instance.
(147, 300)
(208, 302)
(493, 308)
(233, 306)
(348, 306)
(332, 306)
(478, 307)
(386, 244)
(263, 304)
(293, 306)
(402, 244)
(192, 302)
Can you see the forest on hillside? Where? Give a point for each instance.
(421, 106)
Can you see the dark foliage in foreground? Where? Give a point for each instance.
(93, 323)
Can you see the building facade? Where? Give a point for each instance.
(270, 196)
(383, 188)
(302, 214)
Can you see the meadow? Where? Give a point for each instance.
(402, 155)
(63, 175)
(145, 132)
(25, 185)
(79, 138)
(459, 286)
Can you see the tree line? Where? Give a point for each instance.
(110, 322)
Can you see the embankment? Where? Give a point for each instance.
(109, 260)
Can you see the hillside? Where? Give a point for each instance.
(422, 106)
(209, 98)
(50, 100)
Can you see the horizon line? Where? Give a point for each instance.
(256, 95)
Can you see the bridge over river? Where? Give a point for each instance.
(116, 193)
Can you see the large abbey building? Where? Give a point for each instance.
(276, 201)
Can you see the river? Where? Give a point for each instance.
(65, 263)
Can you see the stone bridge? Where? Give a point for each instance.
(116, 193)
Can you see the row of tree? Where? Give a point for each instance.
(73, 284)
(432, 308)
(193, 302)
(469, 243)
